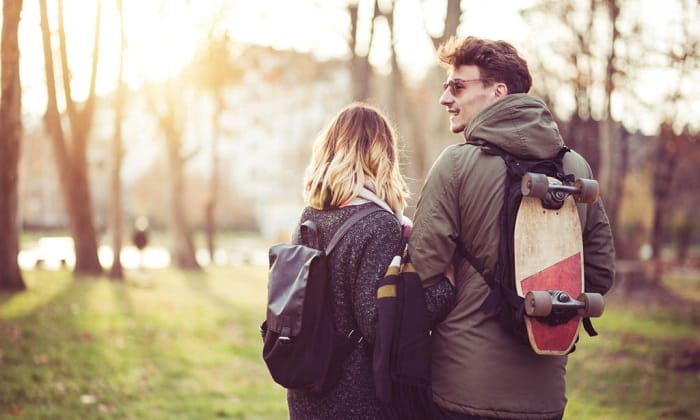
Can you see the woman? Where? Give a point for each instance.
(354, 164)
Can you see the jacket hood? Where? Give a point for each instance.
(520, 124)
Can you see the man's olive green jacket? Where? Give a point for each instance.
(477, 368)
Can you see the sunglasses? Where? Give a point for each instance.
(455, 85)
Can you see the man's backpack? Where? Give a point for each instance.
(302, 349)
(503, 300)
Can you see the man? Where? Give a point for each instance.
(479, 370)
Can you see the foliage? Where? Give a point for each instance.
(170, 344)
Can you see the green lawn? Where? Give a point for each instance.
(170, 344)
(645, 364)
(166, 344)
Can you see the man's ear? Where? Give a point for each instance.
(501, 90)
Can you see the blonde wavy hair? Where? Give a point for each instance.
(358, 148)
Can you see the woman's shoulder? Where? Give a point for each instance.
(379, 224)
(381, 218)
(328, 221)
(338, 215)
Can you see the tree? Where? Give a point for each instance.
(675, 154)
(418, 128)
(117, 272)
(666, 159)
(10, 138)
(212, 70)
(70, 152)
(170, 110)
(613, 165)
(360, 68)
(406, 105)
(568, 65)
(685, 220)
(453, 16)
(589, 58)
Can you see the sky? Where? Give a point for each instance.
(158, 47)
(160, 44)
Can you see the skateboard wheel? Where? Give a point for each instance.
(594, 305)
(538, 303)
(534, 185)
(589, 190)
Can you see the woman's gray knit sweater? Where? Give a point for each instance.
(357, 264)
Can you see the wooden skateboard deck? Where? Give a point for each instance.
(549, 256)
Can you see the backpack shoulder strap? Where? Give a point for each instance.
(343, 229)
(309, 234)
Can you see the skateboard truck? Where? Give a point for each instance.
(553, 193)
(556, 307)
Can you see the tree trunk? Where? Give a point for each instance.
(183, 246)
(607, 158)
(666, 161)
(83, 229)
(10, 137)
(360, 69)
(684, 235)
(608, 134)
(71, 160)
(619, 184)
(183, 250)
(401, 106)
(117, 271)
(210, 211)
(453, 15)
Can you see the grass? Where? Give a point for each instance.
(166, 344)
(645, 364)
(170, 344)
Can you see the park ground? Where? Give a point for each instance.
(171, 344)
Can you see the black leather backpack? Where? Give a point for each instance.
(302, 349)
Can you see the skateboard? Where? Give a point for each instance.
(549, 262)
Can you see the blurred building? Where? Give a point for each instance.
(270, 120)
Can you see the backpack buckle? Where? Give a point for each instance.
(284, 335)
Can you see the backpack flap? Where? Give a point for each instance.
(290, 268)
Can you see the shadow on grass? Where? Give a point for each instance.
(100, 349)
(53, 358)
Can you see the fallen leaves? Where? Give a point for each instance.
(14, 411)
(13, 333)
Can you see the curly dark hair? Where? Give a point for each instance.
(498, 61)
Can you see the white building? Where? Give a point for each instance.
(271, 119)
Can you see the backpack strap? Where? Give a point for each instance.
(343, 229)
(588, 326)
(515, 168)
(473, 261)
(309, 234)
(513, 164)
(354, 337)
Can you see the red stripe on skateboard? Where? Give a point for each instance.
(564, 275)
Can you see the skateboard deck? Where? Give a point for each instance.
(549, 268)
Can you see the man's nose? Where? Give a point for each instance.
(446, 98)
